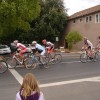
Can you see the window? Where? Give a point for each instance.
(74, 21)
(80, 20)
(97, 18)
(88, 18)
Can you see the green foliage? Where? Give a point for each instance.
(72, 38)
(44, 19)
(17, 15)
(51, 21)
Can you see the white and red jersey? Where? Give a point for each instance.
(21, 46)
(49, 44)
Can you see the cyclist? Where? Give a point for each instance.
(89, 46)
(39, 49)
(22, 48)
(48, 45)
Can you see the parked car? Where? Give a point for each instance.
(4, 49)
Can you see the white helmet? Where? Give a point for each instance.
(15, 41)
(34, 42)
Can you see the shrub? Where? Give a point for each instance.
(72, 38)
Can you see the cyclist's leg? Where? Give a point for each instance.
(21, 53)
(89, 51)
(41, 56)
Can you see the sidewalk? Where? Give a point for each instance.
(71, 53)
(62, 50)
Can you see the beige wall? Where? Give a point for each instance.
(91, 30)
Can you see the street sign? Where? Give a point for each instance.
(57, 38)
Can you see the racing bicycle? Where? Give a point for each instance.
(53, 57)
(34, 61)
(15, 61)
(84, 57)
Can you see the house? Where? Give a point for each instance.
(87, 23)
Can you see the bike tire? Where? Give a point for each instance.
(40, 64)
(97, 56)
(12, 63)
(83, 58)
(34, 64)
(27, 63)
(3, 66)
(45, 65)
(57, 58)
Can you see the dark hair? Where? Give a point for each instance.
(85, 41)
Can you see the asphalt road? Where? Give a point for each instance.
(69, 80)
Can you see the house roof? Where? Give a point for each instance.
(85, 12)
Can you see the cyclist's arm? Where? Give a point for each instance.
(51, 45)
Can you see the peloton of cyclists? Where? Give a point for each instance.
(36, 48)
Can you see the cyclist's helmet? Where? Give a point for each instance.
(15, 41)
(85, 38)
(44, 41)
(34, 42)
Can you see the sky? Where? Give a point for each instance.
(74, 6)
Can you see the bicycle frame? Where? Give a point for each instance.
(14, 57)
(34, 57)
(85, 51)
(85, 56)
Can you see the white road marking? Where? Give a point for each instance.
(71, 62)
(92, 79)
(19, 78)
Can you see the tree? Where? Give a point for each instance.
(17, 15)
(51, 22)
(72, 38)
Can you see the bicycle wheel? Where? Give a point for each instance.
(83, 58)
(3, 66)
(57, 58)
(45, 65)
(12, 63)
(97, 55)
(27, 63)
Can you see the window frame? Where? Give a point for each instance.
(97, 17)
(88, 19)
